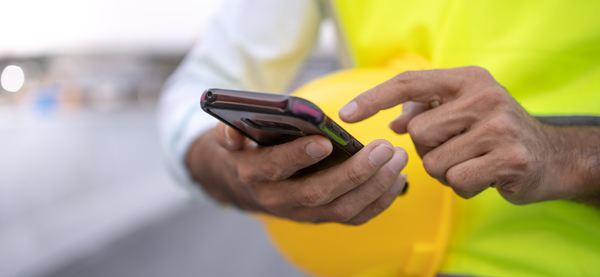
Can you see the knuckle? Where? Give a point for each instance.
(461, 185)
(517, 201)
(468, 184)
(421, 135)
(370, 97)
(273, 171)
(502, 125)
(381, 184)
(477, 192)
(481, 70)
(415, 129)
(481, 99)
(342, 212)
(372, 210)
(356, 175)
(454, 178)
(406, 78)
(476, 70)
(269, 202)
(302, 215)
(246, 174)
(432, 166)
(479, 73)
(520, 157)
(292, 159)
(463, 193)
(495, 96)
(513, 194)
(312, 196)
(464, 190)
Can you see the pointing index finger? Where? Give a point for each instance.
(420, 86)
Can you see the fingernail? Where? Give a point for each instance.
(380, 154)
(399, 184)
(405, 110)
(227, 137)
(399, 161)
(405, 189)
(315, 150)
(348, 109)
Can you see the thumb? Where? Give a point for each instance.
(228, 137)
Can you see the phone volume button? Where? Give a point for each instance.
(335, 128)
(345, 136)
(357, 145)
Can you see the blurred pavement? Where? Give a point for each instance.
(193, 241)
(70, 184)
(84, 192)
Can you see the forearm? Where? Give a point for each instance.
(575, 154)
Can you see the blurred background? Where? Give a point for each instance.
(83, 188)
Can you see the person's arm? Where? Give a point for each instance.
(249, 45)
(575, 158)
(473, 135)
(257, 46)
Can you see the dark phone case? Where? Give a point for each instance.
(272, 119)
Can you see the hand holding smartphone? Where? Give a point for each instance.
(275, 180)
(272, 119)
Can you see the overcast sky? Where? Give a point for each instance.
(38, 27)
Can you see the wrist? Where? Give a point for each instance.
(215, 172)
(202, 162)
(574, 156)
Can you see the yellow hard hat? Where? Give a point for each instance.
(410, 237)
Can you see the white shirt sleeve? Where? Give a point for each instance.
(255, 45)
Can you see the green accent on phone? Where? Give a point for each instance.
(333, 135)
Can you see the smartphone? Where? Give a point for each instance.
(272, 119)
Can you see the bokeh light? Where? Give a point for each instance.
(12, 78)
